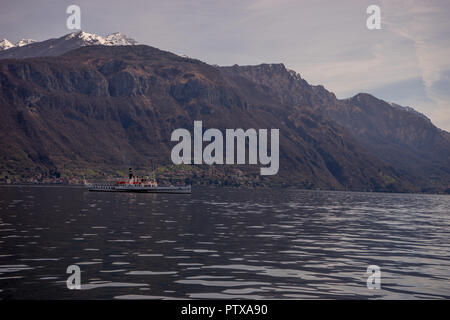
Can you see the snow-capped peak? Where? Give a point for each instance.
(118, 39)
(27, 48)
(5, 44)
(87, 38)
(24, 42)
(113, 39)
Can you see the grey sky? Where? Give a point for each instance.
(327, 42)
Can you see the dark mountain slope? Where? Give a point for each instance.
(402, 137)
(399, 136)
(99, 109)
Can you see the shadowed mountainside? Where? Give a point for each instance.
(400, 136)
(101, 109)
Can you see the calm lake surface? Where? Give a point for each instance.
(222, 243)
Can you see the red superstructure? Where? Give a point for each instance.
(138, 181)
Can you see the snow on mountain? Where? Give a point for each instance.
(87, 38)
(5, 44)
(118, 39)
(27, 48)
(24, 42)
(113, 39)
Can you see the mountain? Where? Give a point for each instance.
(100, 109)
(24, 42)
(402, 137)
(27, 48)
(5, 44)
(399, 136)
(118, 39)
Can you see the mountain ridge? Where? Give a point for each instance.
(133, 96)
(27, 48)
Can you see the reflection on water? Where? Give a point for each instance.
(222, 243)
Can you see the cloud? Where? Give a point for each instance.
(426, 24)
(383, 64)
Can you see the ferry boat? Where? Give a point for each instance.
(136, 184)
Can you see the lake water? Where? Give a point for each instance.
(222, 243)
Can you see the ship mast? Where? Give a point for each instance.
(130, 174)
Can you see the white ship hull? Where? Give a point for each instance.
(142, 189)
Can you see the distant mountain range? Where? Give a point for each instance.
(99, 107)
(5, 44)
(27, 48)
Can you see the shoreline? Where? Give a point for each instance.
(235, 188)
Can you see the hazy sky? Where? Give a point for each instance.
(327, 42)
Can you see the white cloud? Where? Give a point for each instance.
(427, 25)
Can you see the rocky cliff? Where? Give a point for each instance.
(101, 109)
